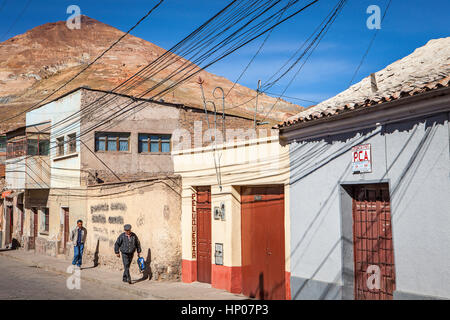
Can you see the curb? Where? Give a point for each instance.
(45, 267)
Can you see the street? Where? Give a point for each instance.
(26, 281)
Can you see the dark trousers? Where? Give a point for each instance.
(126, 259)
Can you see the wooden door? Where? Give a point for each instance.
(263, 247)
(204, 235)
(372, 240)
(34, 212)
(11, 223)
(66, 227)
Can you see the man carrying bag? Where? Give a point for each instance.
(127, 243)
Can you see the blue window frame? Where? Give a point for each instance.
(154, 143)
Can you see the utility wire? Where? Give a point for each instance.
(17, 19)
(242, 43)
(37, 105)
(369, 47)
(3, 5)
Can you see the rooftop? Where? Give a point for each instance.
(427, 68)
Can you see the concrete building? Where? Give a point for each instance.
(235, 215)
(369, 185)
(106, 168)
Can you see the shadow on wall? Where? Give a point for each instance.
(96, 256)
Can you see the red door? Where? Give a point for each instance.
(11, 223)
(35, 227)
(372, 240)
(204, 235)
(263, 255)
(66, 227)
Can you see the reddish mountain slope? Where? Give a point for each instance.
(37, 62)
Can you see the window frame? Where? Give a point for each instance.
(107, 136)
(60, 146)
(149, 141)
(72, 143)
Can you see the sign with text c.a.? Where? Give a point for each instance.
(361, 159)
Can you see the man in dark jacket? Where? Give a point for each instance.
(127, 243)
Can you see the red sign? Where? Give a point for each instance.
(361, 159)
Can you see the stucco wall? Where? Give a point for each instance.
(152, 208)
(413, 157)
(250, 162)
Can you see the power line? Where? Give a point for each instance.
(370, 46)
(281, 95)
(309, 49)
(250, 37)
(3, 5)
(17, 19)
(37, 105)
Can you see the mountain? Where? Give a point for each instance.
(34, 64)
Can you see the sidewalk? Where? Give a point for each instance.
(147, 289)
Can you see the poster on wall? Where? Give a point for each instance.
(361, 159)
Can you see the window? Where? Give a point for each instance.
(38, 144)
(72, 143)
(46, 217)
(60, 146)
(154, 142)
(108, 141)
(3, 144)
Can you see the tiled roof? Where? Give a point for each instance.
(427, 68)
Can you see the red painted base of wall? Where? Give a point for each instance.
(188, 271)
(287, 284)
(226, 278)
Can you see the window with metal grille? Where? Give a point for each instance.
(110, 141)
(154, 143)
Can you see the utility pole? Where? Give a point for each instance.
(256, 106)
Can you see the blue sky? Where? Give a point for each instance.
(408, 25)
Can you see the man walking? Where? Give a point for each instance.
(78, 238)
(127, 243)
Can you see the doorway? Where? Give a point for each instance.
(374, 272)
(263, 247)
(66, 228)
(204, 234)
(34, 213)
(10, 223)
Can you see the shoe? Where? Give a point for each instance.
(124, 280)
(129, 281)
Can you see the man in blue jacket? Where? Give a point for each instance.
(127, 243)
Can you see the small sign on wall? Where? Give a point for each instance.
(361, 159)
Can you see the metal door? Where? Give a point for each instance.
(204, 235)
(372, 240)
(66, 227)
(263, 255)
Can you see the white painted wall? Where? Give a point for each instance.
(65, 171)
(420, 202)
